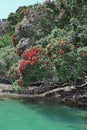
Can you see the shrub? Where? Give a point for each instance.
(52, 42)
(5, 40)
(30, 68)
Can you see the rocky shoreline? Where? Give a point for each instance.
(73, 95)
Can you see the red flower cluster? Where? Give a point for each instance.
(61, 42)
(54, 51)
(31, 54)
(22, 65)
(30, 57)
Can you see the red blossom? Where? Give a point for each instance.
(22, 65)
(61, 42)
(31, 55)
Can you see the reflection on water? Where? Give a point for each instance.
(16, 115)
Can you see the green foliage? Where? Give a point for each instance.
(5, 40)
(61, 29)
(31, 61)
(7, 59)
(14, 18)
(15, 87)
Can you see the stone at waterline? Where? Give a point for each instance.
(5, 81)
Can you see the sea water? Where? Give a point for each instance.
(16, 115)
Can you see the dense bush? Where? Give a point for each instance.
(52, 42)
(7, 59)
(5, 40)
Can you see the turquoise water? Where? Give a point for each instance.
(16, 115)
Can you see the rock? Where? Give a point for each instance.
(83, 99)
(7, 91)
(5, 81)
(79, 81)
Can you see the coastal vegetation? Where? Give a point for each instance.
(43, 67)
(49, 41)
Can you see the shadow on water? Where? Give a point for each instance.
(59, 112)
(1, 99)
(44, 116)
